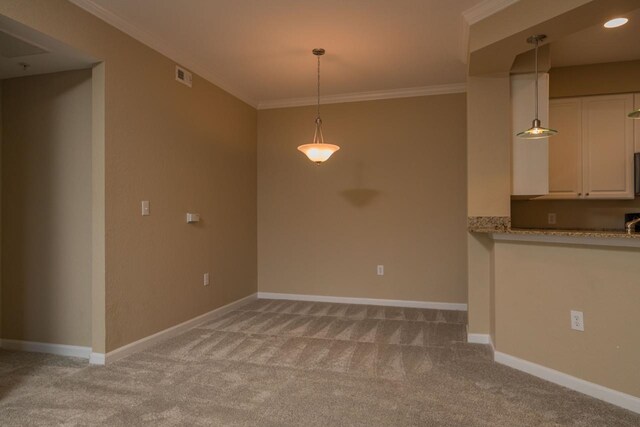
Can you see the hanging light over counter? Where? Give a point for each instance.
(536, 131)
(318, 151)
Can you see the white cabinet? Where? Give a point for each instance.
(529, 157)
(592, 155)
(565, 150)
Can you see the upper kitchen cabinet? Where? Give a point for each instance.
(592, 156)
(607, 145)
(530, 157)
(565, 153)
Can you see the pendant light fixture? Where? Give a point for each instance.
(318, 151)
(536, 131)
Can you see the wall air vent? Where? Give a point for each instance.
(183, 76)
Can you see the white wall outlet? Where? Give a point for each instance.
(145, 208)
(193, 217)
(551, 218)
(380, 270)
(577, 320)
(206, 279)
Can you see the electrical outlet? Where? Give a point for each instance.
(380, 270)
(551, 218)
(577, 320)
(206, 279)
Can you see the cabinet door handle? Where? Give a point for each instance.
(587, 194)
(579, 194)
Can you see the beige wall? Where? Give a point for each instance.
(537, 285)
(488, 181)
(583, 80)
(184, 150)
(393, 195)
(489, 144)
(46, 220)
(594, 79)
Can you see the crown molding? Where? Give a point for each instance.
(485, 9)
(475, 14)
(366, 96)
(161, 46)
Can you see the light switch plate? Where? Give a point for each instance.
(145, 208)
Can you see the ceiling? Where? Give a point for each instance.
(261, 50)
(21, 45)
(597, 44)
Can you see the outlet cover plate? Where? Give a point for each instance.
(577, 320)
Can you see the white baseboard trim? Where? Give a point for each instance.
(97, 359)
(146, 342)
(614, 397)
(479, 338)
(366, 301)
(43, 347)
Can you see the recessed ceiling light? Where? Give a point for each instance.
(616, 22)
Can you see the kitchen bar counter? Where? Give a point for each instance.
(576, 237)
(499, 229)
(610, 234)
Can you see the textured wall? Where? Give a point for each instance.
(395, 194)
(184, 150)
(594, 79)
(536, 286)
(46, 199)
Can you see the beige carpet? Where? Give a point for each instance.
(277, 363)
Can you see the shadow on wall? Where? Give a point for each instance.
(360, 196)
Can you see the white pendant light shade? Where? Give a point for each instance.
(318, 151)
(536, 131)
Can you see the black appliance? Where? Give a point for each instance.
(631, 216)
(636, 173)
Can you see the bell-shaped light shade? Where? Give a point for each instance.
(318, 152)
(635, 114)
(536, 132)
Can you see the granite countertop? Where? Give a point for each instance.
(615, 234)
(500, 225)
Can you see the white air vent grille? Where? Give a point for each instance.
(183, 76)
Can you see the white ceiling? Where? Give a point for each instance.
(260, 50)
(597, 44)
(22, 45)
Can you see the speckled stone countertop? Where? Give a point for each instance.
(502, 225)
(610, 234)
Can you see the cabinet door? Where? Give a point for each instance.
(607, 147)
(636, 122)
(565, 149)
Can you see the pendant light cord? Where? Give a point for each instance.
(536, 70)
(318, 138)
(318, 115)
